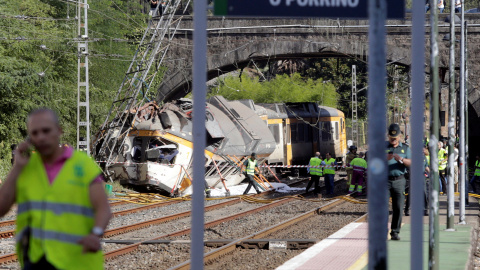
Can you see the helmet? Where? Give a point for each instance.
(352, 147)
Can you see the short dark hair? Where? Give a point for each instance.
(45, 110)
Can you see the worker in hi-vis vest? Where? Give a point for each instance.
(250, 165)
(359, 166)
(315, 170)
(329, 173)
(63, 209)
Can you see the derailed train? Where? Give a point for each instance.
(158, 150)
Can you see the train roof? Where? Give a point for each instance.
(298, 109)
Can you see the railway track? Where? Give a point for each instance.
(229, 248)
(123, 229)
(10, 233)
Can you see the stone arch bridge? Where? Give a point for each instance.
(234, 42)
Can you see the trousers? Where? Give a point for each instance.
(251, 183)
(329, 183)
(397, 189)
(315, 180)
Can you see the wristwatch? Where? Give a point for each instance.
(97, 231)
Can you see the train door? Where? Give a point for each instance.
(288, 143)
(336, 139)
(343, 139)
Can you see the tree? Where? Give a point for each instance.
(283, 88)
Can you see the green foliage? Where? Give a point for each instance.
(22, 59)
(338, 71)
(283, 88)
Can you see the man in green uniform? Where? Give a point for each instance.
(398, 160)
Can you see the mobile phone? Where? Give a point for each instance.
(29, 150)
(390, 152)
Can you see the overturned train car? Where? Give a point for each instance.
(158, 150)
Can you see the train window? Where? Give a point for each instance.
(301, 132)
(308, 133)
(315, 132)
(293, 131)
(326, 131)
(342, 125)
(336, 131)
(275, 129)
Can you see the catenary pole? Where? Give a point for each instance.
(433, 250)
(462, 169)
(451, 123)
(466, 113)
(377, 169)
(199, 136)
(417, 182)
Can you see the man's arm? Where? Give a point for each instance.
(7, 191)
(98, 198)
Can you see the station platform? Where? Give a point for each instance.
(348, 247)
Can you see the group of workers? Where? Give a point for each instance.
(326, 168)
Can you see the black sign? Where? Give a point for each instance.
(357, 9)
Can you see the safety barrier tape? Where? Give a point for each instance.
(261, 166)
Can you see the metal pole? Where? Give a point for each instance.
(433, 251)
(83, 99)
(462, 169)
(354, 106)
(377, 192)
(417, 182)
(199, 137)
(451, 124)
(466, 112)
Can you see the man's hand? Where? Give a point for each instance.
(22, 155)
(397, 157)
(90, 243)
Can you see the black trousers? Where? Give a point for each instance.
(443, 180)
(397, 192)
(251, 183)
(315, 179)
(407, 196)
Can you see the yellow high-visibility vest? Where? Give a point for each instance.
(251, 166)
(57, 216)
(329, 169)
(315, 161)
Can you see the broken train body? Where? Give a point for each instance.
(158, 149)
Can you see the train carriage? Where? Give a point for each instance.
(301, 129)
(158, 150)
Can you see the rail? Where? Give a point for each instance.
(213, 255)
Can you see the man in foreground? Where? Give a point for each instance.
(62, 206)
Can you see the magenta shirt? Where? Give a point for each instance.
(54, 168)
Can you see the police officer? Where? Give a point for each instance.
(315, 172)
(398, 160)
(250, 165)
